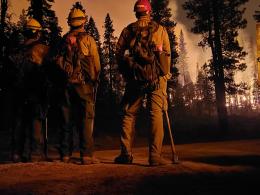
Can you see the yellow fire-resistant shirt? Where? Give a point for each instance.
(88, 47)
(159, 37)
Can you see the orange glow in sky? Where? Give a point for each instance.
(121, 12)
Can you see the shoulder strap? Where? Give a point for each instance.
(135, 33)
(154, 26)
(80, 35)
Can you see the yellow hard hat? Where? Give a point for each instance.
(76, 17)
(33, 25)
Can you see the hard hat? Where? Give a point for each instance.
(76, 17)
(33, 25)
(142, 6)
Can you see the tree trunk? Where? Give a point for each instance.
(219, 70)
(2, 26)
(110, 74)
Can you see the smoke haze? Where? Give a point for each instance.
(121, 13)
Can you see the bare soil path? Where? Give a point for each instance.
(228, 167)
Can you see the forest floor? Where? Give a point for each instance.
(224, 167)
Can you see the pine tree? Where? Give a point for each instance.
(256, 92)
(218, 22)
(3, 42)
(4, 7)
(178, 101)
(116, 82)
(182, 64)
(185, 82)
(109, 46)
(162, 14)
(41, 11)
(3, 11)
(7, 30)
(257, 18)
(92, 30)
(109, 51)
(205, 88)
(7, 71)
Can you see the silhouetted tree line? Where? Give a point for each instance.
(218, 23)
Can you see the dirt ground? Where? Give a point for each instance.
(228, 167)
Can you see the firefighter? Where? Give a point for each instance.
(31, 94)
(130, 65)
(79, 60)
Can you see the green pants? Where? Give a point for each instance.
(157, 103)
(78, 111)
(27, 130)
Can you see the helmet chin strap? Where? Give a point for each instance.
(32, 34)
(140, 14)
(77, 27)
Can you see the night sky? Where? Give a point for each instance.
(122, 13)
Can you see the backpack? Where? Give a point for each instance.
(28, 61)
(146, 65)
(79, 68)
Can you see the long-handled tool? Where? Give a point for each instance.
(174, 154)
(46, 139)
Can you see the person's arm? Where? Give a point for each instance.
(95, 54)
(166, 47)
(90, 59)
(121, 47)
